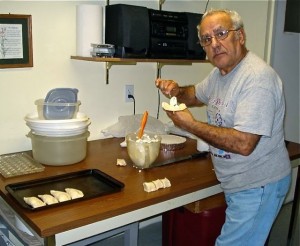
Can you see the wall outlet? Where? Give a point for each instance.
(129, 90)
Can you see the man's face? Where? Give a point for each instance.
(224, 54)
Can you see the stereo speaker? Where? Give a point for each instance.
(195, 51)
(127, 27)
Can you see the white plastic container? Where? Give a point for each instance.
(58, 128)
(59, 151)
(59, 110)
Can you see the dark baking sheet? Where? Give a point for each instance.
(91, 182)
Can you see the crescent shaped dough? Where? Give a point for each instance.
(60, 195)
(169, 107)
(74, 193)
(48, 199)
(34, 202)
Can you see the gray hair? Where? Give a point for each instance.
(236, 19)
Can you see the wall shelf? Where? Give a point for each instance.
(109, 62)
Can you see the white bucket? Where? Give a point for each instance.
(58, 151)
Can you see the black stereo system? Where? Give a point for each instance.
(139, 32)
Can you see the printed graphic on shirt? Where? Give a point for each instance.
(215, 111)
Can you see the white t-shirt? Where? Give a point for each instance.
(249, 99)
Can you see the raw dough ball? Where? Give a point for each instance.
(34, 202)
(48, 199)
(173, 102)
(74, 193)
(60, 195)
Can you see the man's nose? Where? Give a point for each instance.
(214, 42)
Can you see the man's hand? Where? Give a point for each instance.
(168, 87)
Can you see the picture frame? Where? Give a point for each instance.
(15, 41)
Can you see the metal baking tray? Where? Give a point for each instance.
(92, 182)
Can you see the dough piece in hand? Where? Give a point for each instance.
(60, 195)
(173, 102)
(34, 202)
(173, 106)
(74, 193)
(48, 199)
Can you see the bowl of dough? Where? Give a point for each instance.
(143, 151)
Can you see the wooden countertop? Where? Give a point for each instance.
(186, 177)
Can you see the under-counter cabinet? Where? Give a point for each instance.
(13, 230)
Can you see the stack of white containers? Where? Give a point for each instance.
(58, 131)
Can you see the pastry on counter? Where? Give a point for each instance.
(156, 184)
(121, 162)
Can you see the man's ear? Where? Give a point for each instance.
(242, 36)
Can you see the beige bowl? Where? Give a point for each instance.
(143, 152)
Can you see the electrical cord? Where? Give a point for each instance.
(206, 6)
(158, 76)
(132, 97)
(159, 73)
(158, 106)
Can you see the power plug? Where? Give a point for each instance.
(129, 93)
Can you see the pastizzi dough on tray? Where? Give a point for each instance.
(55, 197)
(48, 199)
(34, 202)
(74, 193)
(61, 196)
(156, 184)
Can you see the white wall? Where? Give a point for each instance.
(285, 59)
(54, 41)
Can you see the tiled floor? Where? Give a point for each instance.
(151, 235)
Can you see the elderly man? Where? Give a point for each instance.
(245, 110)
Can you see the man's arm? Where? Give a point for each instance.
(227, 139)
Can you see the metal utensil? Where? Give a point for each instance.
(178, 159)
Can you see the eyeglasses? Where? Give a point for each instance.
(219, 35)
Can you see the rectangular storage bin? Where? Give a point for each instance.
(181, 226)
